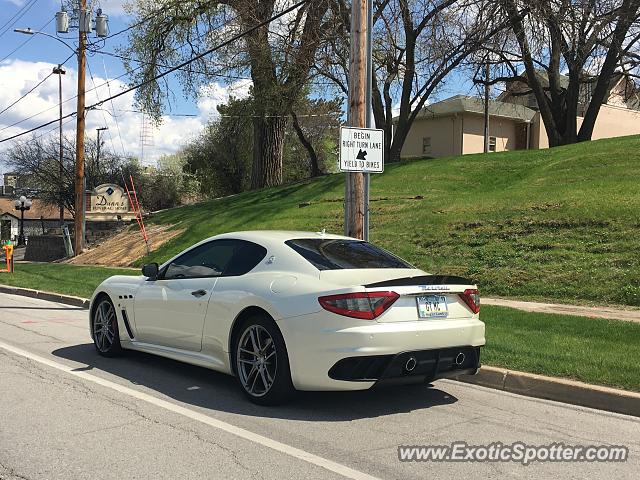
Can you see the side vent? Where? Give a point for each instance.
(126, 323)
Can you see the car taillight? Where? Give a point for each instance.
(364, 305)
(472, 298)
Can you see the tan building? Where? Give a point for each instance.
(455, 126)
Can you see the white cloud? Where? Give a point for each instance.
(18, 77)
(114, 7)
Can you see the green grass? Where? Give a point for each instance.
(597, 351)
(61, 278)
(559, 224)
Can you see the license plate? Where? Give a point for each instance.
(432, 306)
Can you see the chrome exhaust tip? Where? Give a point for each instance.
(460, 358)
(411, 364)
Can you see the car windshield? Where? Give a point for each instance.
(344, 254)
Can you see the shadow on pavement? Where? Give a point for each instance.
(216, 391)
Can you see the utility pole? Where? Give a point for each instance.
(357, 114)
(80, 125)
(84, 27)
(487, 93)
(60, 71)
(101, 129)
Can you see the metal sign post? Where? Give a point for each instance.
(369, 112)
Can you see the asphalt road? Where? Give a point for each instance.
(66, 413)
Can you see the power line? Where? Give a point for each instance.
(56, 106)
(104, 117)
(36, 137)
(115, 117)
(17, 16)
(142, 62)
(25, 42)
(138, 23)
(87, 91)
(36, 86)
(27, 93)
(173, 69)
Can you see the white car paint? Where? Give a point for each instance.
(167, 320)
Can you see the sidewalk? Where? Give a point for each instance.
(629, 314)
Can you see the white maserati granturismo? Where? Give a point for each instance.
(285, 311)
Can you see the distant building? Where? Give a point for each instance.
(455, 126)
(41, 217)
(18, 184)
(10, 179)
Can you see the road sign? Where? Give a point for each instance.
(361, 150)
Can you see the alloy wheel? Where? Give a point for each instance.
(104, 331)
(256, 360)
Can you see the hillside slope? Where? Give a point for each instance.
(558, 224)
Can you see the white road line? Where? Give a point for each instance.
(200, 417)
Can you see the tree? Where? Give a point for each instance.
(591, 40)
(38, 159)
(416, 45)
(220, 158)
(278, 57)
(316, 123)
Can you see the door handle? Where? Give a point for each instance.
(199, 293)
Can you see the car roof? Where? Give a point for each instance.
(271, 239)
(279, 236)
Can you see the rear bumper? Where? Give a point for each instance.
(316, 343)
(408, 367)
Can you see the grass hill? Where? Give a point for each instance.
(559, 224)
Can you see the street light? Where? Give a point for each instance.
(23, 204)
(60, 71)
(28, 31)
(100, 129)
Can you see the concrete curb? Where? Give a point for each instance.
(522, 383)
(558, 389)
(49, 296)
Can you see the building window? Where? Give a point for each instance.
(492, 144)
(426, 145)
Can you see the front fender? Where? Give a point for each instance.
(121, 289)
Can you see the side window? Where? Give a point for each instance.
(426, 145)
(208, 260)
(247, 256)
(492, 144)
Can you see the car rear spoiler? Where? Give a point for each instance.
(422, 280)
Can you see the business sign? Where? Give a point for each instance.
(361, 150)
(109, 198)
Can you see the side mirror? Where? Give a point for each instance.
(150, 270)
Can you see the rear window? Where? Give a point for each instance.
(344, 254)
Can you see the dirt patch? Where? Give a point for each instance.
(126, 247)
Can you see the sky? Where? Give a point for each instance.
(24, 65)
(28, 59)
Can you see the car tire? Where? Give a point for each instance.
(261, 362)
(104, 328)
